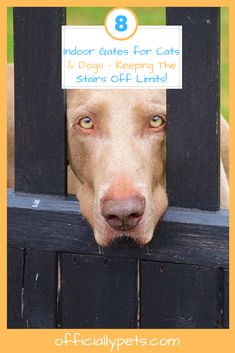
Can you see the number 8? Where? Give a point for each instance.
(121, 25)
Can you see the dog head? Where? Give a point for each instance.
(116, 150)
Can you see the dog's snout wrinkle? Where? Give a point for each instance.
(123, 213)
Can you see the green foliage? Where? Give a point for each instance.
(224, 63)
(10, 58)
(96, 15)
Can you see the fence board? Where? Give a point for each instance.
(183, 236)
(40, 289)
(182, 296)
(15, 268)
(225, 292)
(40, 129)
(193, 112)
(98, 292)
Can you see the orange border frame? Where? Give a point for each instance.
(42, 341)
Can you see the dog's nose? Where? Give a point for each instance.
(123, 214)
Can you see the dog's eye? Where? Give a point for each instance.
(86, 122)
(156, 121)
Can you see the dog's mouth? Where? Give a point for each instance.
(132, 232)
(134, 216)
(121, 237)
(123, 218)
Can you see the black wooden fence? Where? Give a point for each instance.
(57, 275)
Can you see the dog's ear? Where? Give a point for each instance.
(65, 102)
(65, 95)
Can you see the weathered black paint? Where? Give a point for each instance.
(15, 285)
(193, 112)
(32, 288)
(179, 296)
(40, 129)
(98, 292)
(225, 296)
(40, 289)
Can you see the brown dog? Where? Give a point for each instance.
(118, 137)
(117, 155)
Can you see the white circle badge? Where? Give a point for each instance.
(121, 24)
